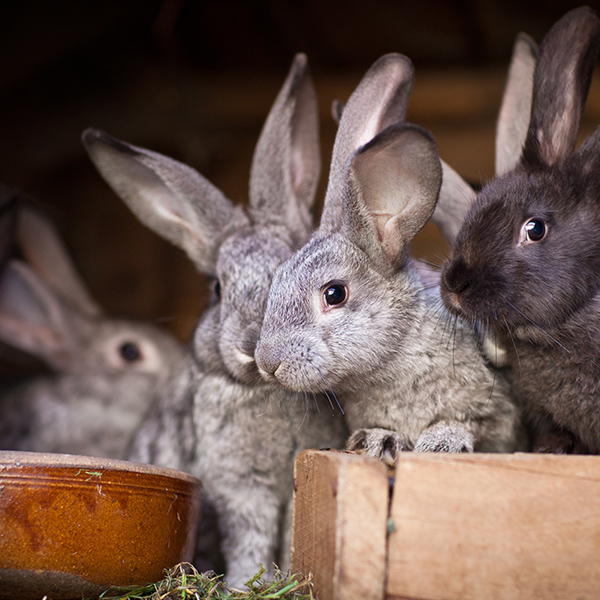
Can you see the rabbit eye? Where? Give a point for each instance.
(130, 352)
(335, 294)
(217, 289)
(533, 231)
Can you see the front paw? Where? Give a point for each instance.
(379, 443)
(445, 437)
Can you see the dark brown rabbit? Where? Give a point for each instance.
(526, 261)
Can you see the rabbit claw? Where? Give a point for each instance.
(379, 443)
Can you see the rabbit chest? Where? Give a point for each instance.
(245, 432)
(443, 379)
(561, 379)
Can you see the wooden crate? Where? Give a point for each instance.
(480, 526)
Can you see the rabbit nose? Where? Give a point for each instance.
(266, 362)
(456, 278)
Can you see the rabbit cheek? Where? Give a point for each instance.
(295, 363)
(237, 349)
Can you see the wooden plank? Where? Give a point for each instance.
(495, 526)
(339, 525)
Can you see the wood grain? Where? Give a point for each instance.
(340, 519)
(495, 526)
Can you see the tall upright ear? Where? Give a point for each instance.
(561, 82)
(515, 109)
(47, 255)
(392, 186)
(379, 101)
(287, 160)
(455, 199)
(586, 161)
(32, 318)
(169, 197)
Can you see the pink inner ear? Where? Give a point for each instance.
(392, 242)
(298, 168)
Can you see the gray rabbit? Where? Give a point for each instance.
(107, 372)
(237, 434)
(352, 313)
(526, 262)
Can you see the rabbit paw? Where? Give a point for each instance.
(379, 443)
(445, 437)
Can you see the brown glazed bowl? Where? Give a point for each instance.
(73, 526)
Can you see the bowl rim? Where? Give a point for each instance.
(13, 458)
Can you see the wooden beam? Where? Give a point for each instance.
(341, 505)
(491, 526)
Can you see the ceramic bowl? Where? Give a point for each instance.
(73, 526)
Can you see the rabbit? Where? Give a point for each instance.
(240, 435)
(525, 264)
(351, 312)
(106, 371)
(457, 195)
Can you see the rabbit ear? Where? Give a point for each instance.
(32, 318)
(587, 157)
(169, 197)
(561, 82)
(392, 186)
(380, 100)
(46, 254)
(455, 198)
(515, 110)
(287, 161)
(337, 108)
(456, 195)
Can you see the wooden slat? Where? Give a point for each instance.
(495, 526)
(340, 520)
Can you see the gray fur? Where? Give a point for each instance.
(240, 435)
(96, 397)
(385, 350)
(513, 118)
(540, 297)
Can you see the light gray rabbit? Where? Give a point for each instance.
(350, 311)
(239, 435)
(107, 372)
(525, 263)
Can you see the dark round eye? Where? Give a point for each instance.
(335, 294)
(535, 230)
(130, 352)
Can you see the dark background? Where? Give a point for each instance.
(195, 80)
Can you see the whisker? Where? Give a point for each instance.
(538, 327)
(331, 390)
(512, 339)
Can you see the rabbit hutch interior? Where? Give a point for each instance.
(197, 81)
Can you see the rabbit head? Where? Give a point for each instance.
(107, 372)
(341, 290)
(528, 253)
(46, 310)
(240, 250)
